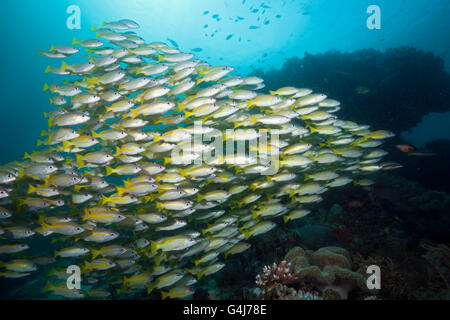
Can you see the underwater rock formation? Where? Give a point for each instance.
(392, 90)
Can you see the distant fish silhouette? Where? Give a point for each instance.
(362, 90)
(421, 154)
(172, 42)
(254, 27)
(229, 36)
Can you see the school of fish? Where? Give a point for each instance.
(127, 185)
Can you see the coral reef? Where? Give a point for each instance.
(438, 258)
(398, 83)
(327, 269)
(383, 225)
(274, 280)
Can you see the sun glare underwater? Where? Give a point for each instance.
(239, 149)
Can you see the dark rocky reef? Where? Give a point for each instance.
(390, 90)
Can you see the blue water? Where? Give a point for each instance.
(249, 35)
(286, 29)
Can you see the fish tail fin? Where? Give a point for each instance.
(104, 200)
(272, 92)
(48, 287)
(150, 288)
(26, 156)
(64, 66)
(79, 161)
(92, 81)
(156, 138)
(86, 214)
(45, 87)
(85, 267)
(134, 113)
(93, 28)
(187, 114)
(154, 246)
(31, 189)
(167, 160)
(160, 58)
(66, 145)
(285, 219)
(48, 69)
(120, 190)
(95, 253)
(164, 295)
(158, 206)
(109, 170)
(75, 41)
(41, 221)
(180, 107)
(117, 152)
(21, 172)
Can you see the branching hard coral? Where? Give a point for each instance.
(271, 283)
